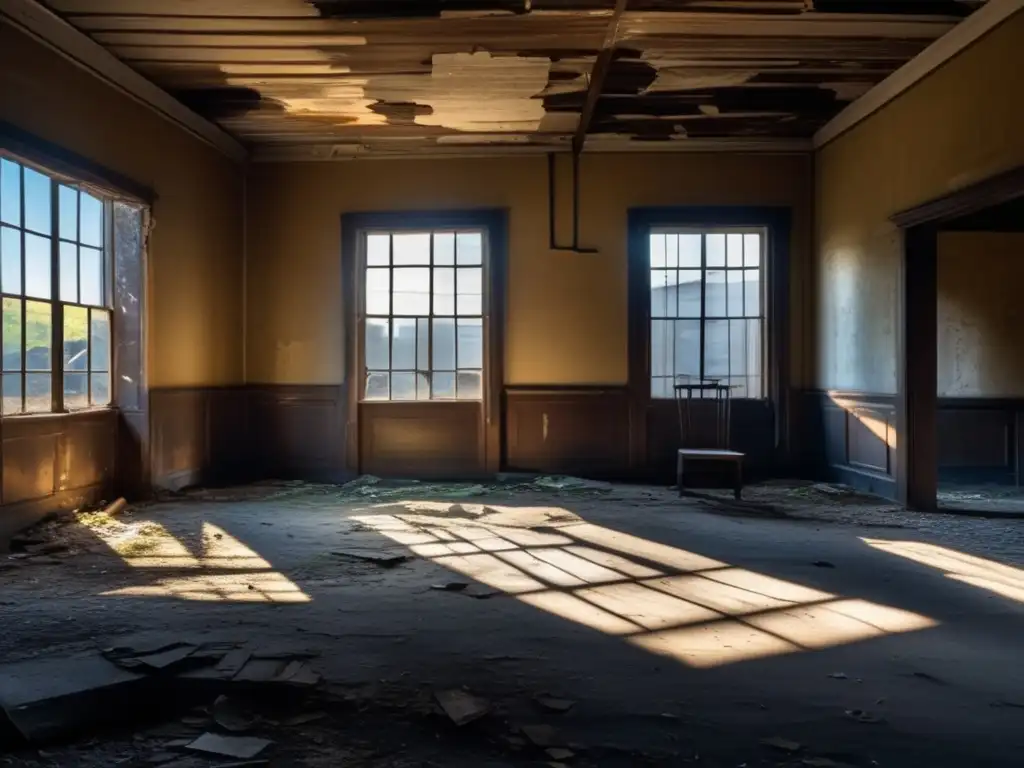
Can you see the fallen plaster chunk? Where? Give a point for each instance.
(462, 707)
(240, 747)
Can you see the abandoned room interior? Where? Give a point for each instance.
(511, 382)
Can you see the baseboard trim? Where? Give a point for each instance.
(23, 514)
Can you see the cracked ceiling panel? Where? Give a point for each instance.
(344, 78)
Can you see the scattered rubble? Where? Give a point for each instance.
(783, 745)
(462, 707)
(243, 747)
(554, 704)
(542, 736)
(383, 561)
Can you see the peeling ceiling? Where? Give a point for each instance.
(339, 78)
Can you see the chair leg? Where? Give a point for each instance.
(679, 474)
(739, 479)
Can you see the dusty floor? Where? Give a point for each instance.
(684, 632)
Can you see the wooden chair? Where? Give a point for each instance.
(685, 388)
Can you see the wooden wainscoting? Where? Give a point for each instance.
(438, 440)
(850, 437)
(582, 431)
(297, 431)
(198, 435)
(980, 439)
(55, 462)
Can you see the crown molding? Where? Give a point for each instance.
(45, 26)
(964, 34)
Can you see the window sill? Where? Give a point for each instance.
(96, 410)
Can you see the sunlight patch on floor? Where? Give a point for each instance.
(698, 610)
(1002, 579)
(226, 570)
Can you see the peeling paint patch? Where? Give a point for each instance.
(697, 79)
(478, 92)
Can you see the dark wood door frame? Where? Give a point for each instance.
(971, 208)
(495, 222)
(777, 221)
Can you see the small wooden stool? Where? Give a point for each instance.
(710, 454)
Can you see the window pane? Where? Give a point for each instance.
(444, 291)
(37, 266)
(10, 260)
(378, 250)
(68, 272)
(403, 386)
(471, 343)
(737, 348)
(671, 251)
(716, 348)
(68, 213)
(469, 385)
(99, 341)
(689, 293)
(37, 393)
(444, 248)
(714, 294)
(12, 336)
(687, 348)
(423, 344)
(100, 388)
(37, 202)
(734, 244)
(91, 266)
(752, 279)
(469, 248)
(444, 345)
(377, 386)
(754, 363)
(76, 345)
(403, 347)
(376, 352)
(38, 336)
(661, 347)
(10, 196)
(658, 251)
(689, 251)
(752, 250)
(715, 245)
(734, 293)
(660, 287)
(411, 290)
(378, 291)
(469, 290)
(76, 391)
(12, 393)
(444, 385)
(92, 221)
(422, 387)
(411, 248)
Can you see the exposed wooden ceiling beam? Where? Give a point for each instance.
(597, 76)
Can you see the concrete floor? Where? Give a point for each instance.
(686, 633)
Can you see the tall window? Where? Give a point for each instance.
(707, 308)
(424, 315)
(54, 279)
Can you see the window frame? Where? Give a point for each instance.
(703, 318)
(58, 179)
(362, 271)
(777, 222)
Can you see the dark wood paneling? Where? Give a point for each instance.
(980, 439)
(429, 439)
(298, 431)
(53, 462)
(198, 435)
(582, 431)
(850, 437)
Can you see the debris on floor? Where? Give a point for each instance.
(242, 747)
(384, 561)
(783, 745)
(462, 707)
(230, 716)
(541, 735)
(554, 704)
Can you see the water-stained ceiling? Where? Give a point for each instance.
(335, 78)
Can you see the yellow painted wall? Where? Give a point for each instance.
(566, 313)
(195, 254)
(981, 314)
(961, 124)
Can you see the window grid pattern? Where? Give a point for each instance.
(707, 309)
(423, 315)
(54, 286)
